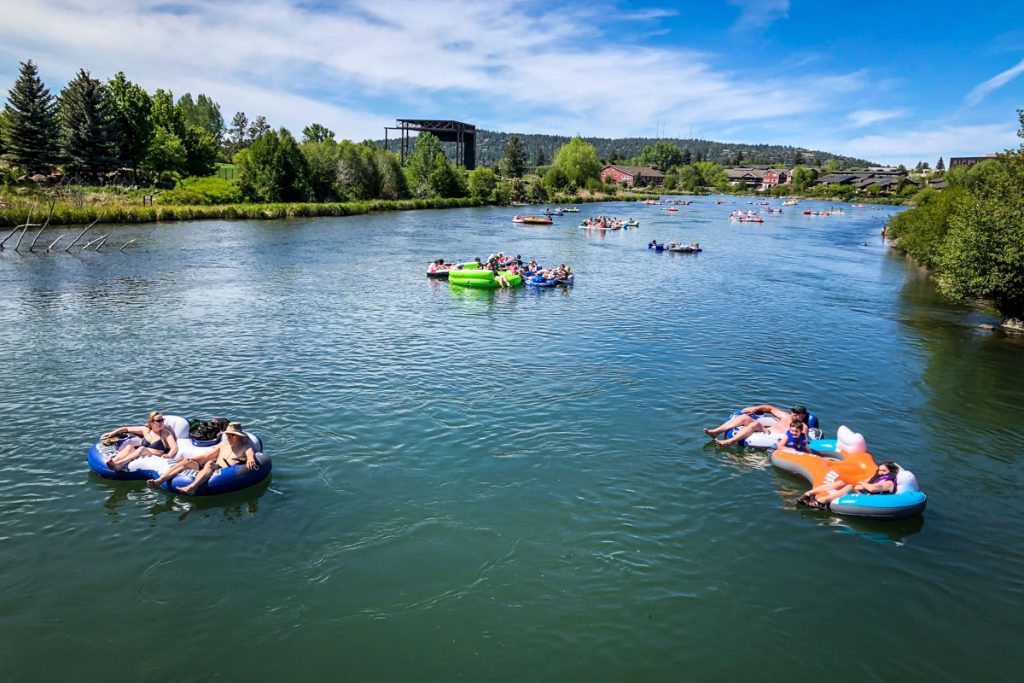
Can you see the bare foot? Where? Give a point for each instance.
(709, 431)
(187, 490)
(153, 483)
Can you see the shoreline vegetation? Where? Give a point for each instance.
(112, 152)
(113, 212)
(970, 236)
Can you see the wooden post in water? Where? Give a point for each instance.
(45, 223)
(95, 241)
(125, 245)
(26, 226)
(102, 242)
(81, 233)
(54, 242)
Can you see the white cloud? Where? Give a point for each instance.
(757, 14)
(866, 117)
(353, 68)
(982, 90)
(910, 146)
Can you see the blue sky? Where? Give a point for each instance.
(891, 82)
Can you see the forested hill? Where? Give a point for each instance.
(490, 145)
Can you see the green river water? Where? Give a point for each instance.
(508, 485)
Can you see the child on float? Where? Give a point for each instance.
(882, 482)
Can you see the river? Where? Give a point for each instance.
(508, 485)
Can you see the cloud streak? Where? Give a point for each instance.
(983, 90)
(757, 14)
(866, 117)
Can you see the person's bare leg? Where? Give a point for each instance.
(736, 421)
(743, 433)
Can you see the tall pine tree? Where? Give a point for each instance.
(513, 161)
(30, 132)
(88, 130)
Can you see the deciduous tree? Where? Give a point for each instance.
(274, 169)
(578, 160)
(131, 107)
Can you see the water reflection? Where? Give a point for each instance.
(232, 506)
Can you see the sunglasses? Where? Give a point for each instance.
(158, 419)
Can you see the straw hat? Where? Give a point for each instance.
(234, 428)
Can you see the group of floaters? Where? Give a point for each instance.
(533, 220)
(748, 216)
(609, 223)
(844, 477)
(691, 248)
(827, 212)
(213, 457)
(500, 271)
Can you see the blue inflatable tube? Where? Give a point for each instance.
(766, 439)
(908, 501)
(225, 480)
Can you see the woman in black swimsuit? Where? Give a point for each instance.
(156, 440)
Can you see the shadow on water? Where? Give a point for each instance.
(233, 506)
(971, 377)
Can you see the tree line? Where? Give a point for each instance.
(970, 234)
(541, 149)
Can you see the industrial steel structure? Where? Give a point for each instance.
(462, 134)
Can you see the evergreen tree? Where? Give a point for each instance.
(539, 159)
(798, 158)
(30, 135)
(203, 113)
(258, 127)
(237, 134)
(131, 107)
(314, 132)
(940, 165)
(513, 160)
(87, 127)
(686, 158)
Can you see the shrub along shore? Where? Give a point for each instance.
(118, 212)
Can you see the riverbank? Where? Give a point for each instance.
(130, 208)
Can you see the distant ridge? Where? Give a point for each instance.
(491, 144)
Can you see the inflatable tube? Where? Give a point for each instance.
(568, 280)
(685, 249)
(540, 281)
(770, 439)
(228, 479)
(829, 462)
(657, 247)
(152, 466)
(482, 280)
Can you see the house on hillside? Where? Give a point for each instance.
(750, 178)
(840, 178)
(773, 178)
(757, 178)
(632, 175)
(967, 162)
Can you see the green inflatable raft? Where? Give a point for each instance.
(482, 279)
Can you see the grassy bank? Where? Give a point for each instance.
(66, 214)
